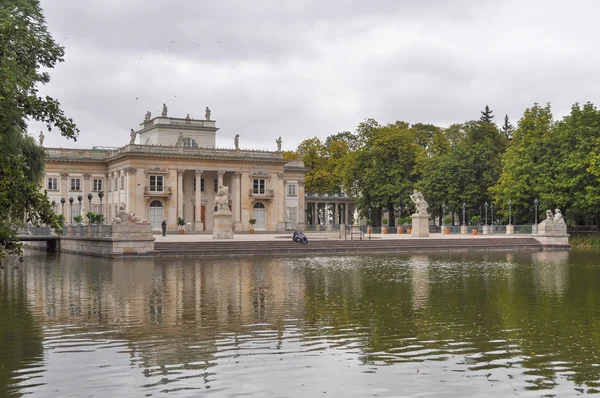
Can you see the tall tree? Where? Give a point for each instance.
(26, 49)
(508, 128)
(486, 115)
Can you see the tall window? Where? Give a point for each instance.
(189, 143)
(97, 185)
(258, 186)
(75, 184)
(122, 182)
(116, 183)
(202, 185)
(291, 216)
(292, 190)
(75, 211)
(156, 183)
(216, 185)
(52, 184)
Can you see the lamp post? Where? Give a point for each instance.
(101, 195)
(536, 202)
(71, 207)
(464, 207)
(62, 201)
(486, 207)
(510, 212)
(369, 227)
(492, 217)
(90, 196)
(54, 206)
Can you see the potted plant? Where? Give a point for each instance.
(180, 223)
(408, 221)
(252, 221)
(369, 226)
(91, 217)
(78, 219)
(475, 220)
(384, 229)
(446, 222)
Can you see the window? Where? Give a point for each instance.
(116, 183)
(291, 216)
(75, 184)
(55, 208)
(216, 185)
(122, 182)
(156, 183)
(258, 186)
(75, 211)
(52, 184)
(97, 209)
(97, 185)
(194, 185)
(202, 185)
(292, 190)
(189, 143)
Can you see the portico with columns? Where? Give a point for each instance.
(328, 210)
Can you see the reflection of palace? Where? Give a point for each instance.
(174, 172)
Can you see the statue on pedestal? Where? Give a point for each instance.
(164, 110)
(355, 216)
(207, 114)
(236, 141)
(132, 136)
(122, 216)
(278, 142)
(148, 116)
(222, 200)
(420, 203)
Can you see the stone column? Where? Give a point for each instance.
(301, 207)
(314, 215)
(179, 194)
(346, 213)
(198, 225)
(237, 202)
(220, 178)
(281, 201)
(130, 193)
(64, 192)
(335, 214)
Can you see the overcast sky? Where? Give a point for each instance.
(299, 69)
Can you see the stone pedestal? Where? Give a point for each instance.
(355, 232)
(238, 226)
(487, 230)
(420, 226)
(510, 229)
(464, 229)
(198, 226)
(223, 222)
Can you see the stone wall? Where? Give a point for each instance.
(116, 240)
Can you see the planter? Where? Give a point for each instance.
(251, 230)
(181, 231)
(400, 230)
(369, 230)
(409, 230)
(447, 231)
(384, 230)
(475, 231)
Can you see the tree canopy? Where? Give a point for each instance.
(26, 51)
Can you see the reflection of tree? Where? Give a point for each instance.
(20, 336)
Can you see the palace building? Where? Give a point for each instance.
(174, 172)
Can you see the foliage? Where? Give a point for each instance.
(252, 221)
(290, 155)
(447, 220)
(78, 219)
(95, 218)
(26, 51)
(508, 128)
(60, 220)
(384, 221)
(475, 220)
(180, 221)
(369, 222)
(486, 115)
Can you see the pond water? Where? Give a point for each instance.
(442, 325)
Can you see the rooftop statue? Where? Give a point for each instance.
(132, 135)
(207, 114)
(164, 111)
(148, 116)
(179, 140)
(278, 141)
(41, 138)
(236, 141)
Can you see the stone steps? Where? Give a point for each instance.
(364, 246)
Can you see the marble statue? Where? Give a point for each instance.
(122, 216)
(207, 114)
(164, 111)
(132, 135)
(236, 141)
(222, 200)
(133, 218)
(420, 203)
(558, 218)
(41, 138)
(278, 141)
(549, 216)
(148, 116)
(179, 140)
(355, 216)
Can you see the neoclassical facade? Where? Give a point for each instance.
(174, 172)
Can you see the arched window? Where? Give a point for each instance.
(189, 143)
(260, 215)
(149, 141)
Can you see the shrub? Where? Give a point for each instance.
(252, 221)
(447, 220)
(475, 220)
(78, 219)
(384, 221)
(180, 221)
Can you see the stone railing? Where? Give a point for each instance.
(204, 152)
(166, 191)
(77, 153)
(267, 194)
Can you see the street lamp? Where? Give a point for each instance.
(486, 206)
(90, 196)
(510, 212)
(492, 209)
(536, 202)
(370, 228)
(54, 206)
(101, 195)
(62, 201)
(464, 207)
(71, 202)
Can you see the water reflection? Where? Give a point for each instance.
(441, 324)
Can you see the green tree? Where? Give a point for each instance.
(486, 115)
(508, 128)
(26, 50)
